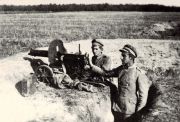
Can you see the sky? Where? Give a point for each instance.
(36, 2)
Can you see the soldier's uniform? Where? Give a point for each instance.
(132, 92)
(102, 61)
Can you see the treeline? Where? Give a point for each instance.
(91, 7)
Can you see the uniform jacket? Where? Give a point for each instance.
(133, 85)
(103, 62)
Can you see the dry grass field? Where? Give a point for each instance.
(19, 32)
(155, 35)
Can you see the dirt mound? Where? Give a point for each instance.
(161, 30)
(47, 103)
(161, 27)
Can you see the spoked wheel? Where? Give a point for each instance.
(44, 74)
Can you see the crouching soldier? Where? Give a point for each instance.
(132, 92)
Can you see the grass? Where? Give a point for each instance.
(19, 32)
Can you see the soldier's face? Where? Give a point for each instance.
(96, 51)
(125, 58)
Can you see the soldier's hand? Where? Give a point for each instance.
(87, 67)
(86, 55)
(62, 57)
(88, 59)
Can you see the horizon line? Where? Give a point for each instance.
(87, 4)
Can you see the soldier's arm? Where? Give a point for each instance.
(110, 73)
(101, 71)
(143, 88)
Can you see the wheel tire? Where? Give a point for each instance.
(44, 74)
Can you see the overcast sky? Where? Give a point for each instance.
(36, 2)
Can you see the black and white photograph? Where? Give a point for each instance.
(90, 61)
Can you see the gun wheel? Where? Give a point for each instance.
(44, 74)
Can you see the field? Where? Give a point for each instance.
(19, 32)
(155, 35)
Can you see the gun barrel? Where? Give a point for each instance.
(41, 53)
(44, 53)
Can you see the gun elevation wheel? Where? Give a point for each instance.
(44, 74)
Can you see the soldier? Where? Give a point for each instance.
(133, 85)
(99, 59)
